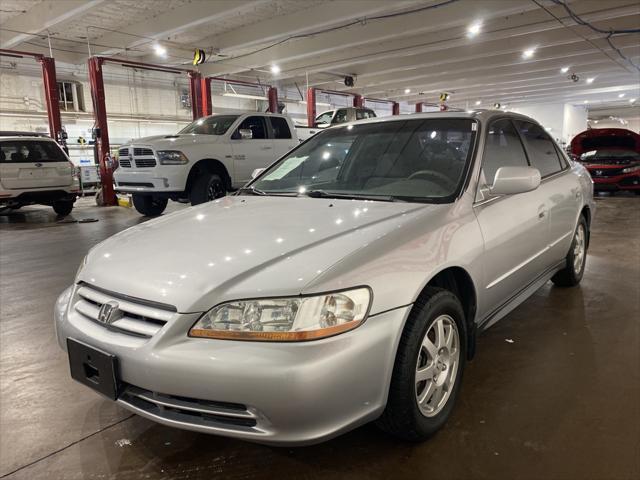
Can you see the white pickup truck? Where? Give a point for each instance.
(334, 117)
(205, 160)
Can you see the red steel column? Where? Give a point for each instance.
(51, 97)
(311, 107)
(205, 93)
(195, 91)
(358, 101)
(395, 109)
(102, 138)
(273, 99)
(419, 107)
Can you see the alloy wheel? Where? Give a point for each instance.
(437, 365)
(579, 247)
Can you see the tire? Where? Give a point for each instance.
(62, 207)
(403, 417)
(206, 187)
(149, 205)
(571, 274)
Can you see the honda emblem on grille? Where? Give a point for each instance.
(598, 172)
(108, 313)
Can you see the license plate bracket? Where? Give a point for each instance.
(94, 368)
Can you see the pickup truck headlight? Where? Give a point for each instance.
(285, 319)
(635, 168)
(172, 157)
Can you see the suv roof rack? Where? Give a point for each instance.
(4, 133)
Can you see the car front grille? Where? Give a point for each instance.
(130, 317)
(189, 411)
(142, 152)
(124, 162)
(123, 152)
(145, 162)
(605, 172)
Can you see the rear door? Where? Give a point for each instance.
(283, 140)
(251, 153)
(514, 227)
(28, 163)
(557, 185)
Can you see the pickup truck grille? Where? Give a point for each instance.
(123, 152)
(124, 162)
(145, 162)
(128, 316)
(142, 152)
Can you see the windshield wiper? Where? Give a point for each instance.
(251, 191)
(352, 196)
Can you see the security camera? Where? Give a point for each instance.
(349, 81)
(574, 78)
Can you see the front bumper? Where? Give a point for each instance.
(153, 180)
(626, 181)
(272, 393)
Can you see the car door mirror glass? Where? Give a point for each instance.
(513, 180)
(245, 133)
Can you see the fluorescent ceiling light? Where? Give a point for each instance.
(242, 95)
(474, 29)
(632, 100)
(160, 50)
(586, 101)
(590, 80)
(478, 102)
(621, 95)
(528, 53)
(275, 69)
(318, 104)
(564, 69)
(407, 90)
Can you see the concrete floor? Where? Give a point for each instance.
(560, 402)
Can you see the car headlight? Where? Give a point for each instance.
(631, 169)
(286, 319)
(172, 157)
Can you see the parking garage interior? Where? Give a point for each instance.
(553, 391)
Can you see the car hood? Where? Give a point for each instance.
(240, 247)
(169, 142)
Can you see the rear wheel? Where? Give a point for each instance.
(207, 187)
(571, 274)
(62, 207)
(428, 368)
(149, 205)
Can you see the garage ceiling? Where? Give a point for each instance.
(403, 50)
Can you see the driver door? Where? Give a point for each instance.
(251, 153)
(515, 227)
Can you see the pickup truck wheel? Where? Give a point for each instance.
(149, 205)
(571, 274)
(62, 207)
(207, 187)
(428, 369)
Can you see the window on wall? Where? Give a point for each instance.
(70, 97)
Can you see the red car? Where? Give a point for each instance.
(612, 156)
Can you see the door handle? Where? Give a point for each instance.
(541, 214)
(542, 211)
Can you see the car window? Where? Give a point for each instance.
(418, 160)
(361, 114)
(541, 149)
(257, 126)
(341, 116)
(215, 125)
(280, 128)
(325, 118)
(503, 149)
(30, 151)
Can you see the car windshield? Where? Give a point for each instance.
(30, 151)
(411, 160)
(596, 155)
(215, 125)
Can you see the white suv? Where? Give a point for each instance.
(34, 169)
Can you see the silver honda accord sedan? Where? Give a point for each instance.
(346, 283)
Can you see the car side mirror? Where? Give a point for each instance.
(257, 172)
(513, 180)
(245, 133)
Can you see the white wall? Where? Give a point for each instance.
(574, 122)
(632, 124)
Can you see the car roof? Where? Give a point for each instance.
(479, 114)
(17, 135)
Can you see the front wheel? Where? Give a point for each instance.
(62, 207)
(149, 205)
(207, 187)
(428, 368)
(571, 274)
